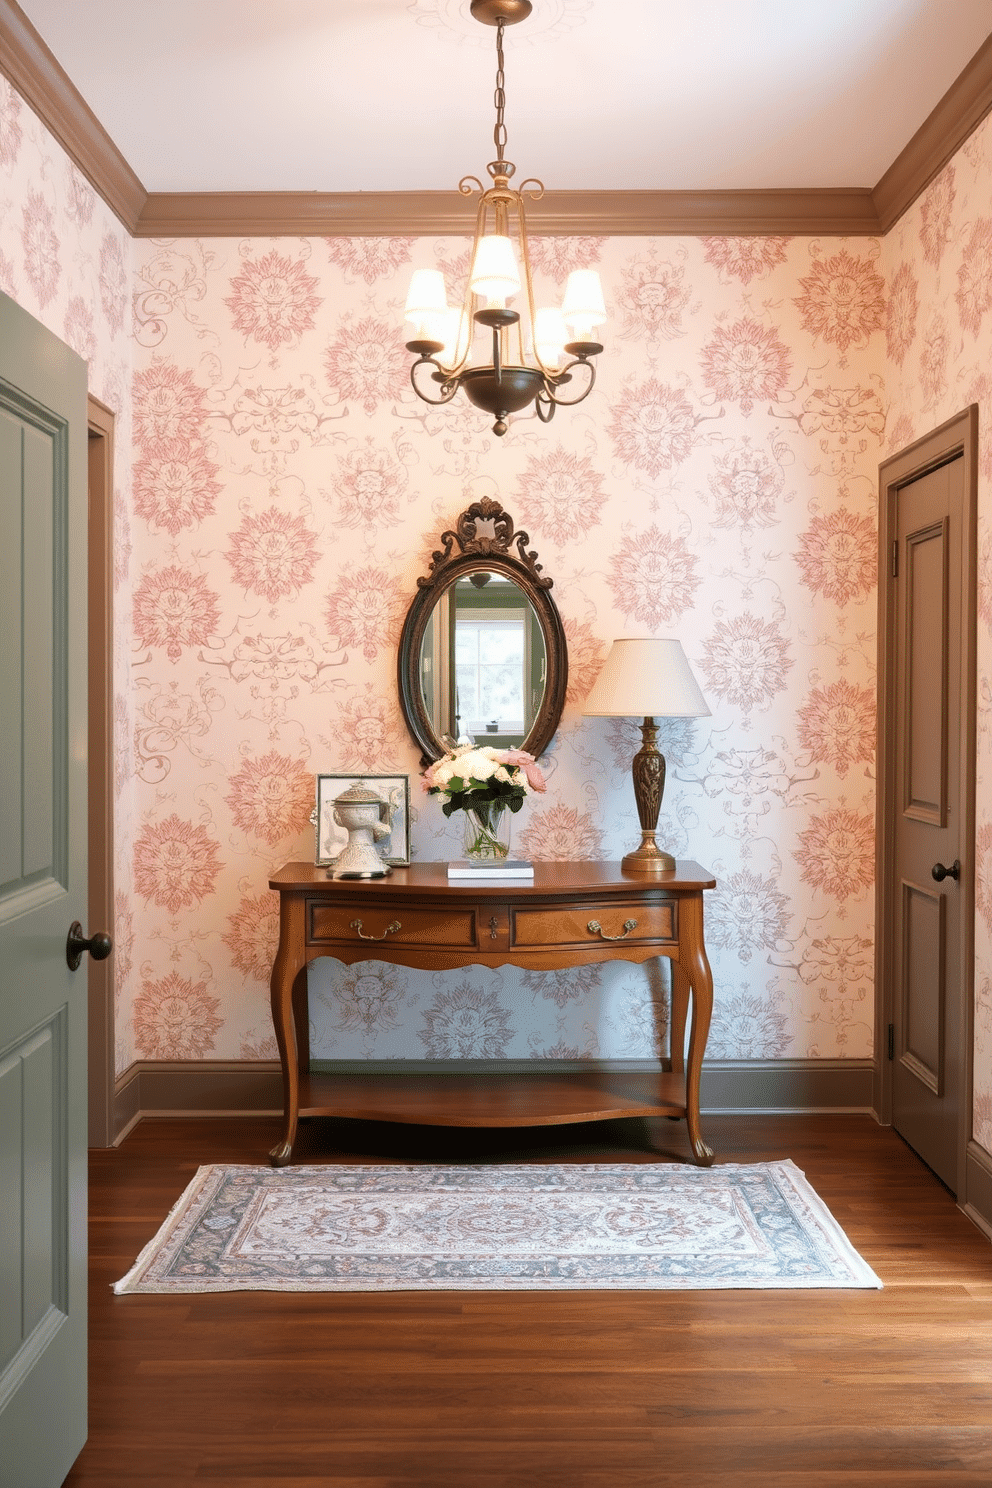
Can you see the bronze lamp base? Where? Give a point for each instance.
(648, 858)
(648, 770)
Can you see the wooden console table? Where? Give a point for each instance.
(570, 915)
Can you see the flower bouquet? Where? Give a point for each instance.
(485, 784)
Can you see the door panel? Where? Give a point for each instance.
(43, 1005)
(35, 1256)
(924, 737)
(924, 986)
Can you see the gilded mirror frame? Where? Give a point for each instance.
(465, 550)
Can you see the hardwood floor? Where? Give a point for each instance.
(548, 1390)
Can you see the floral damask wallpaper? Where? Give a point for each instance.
(719, 485)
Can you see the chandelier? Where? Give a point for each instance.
(525, 358)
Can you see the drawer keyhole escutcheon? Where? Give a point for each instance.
(493, 927)
(595, 928)
(390, 929)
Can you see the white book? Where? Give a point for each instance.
(511, 868)
(468, 879)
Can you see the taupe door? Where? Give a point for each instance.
(43, 1004)
(929, 943)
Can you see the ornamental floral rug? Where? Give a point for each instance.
(588, 1226)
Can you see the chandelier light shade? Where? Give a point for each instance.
(495, 276)
(426, 300)
(583, 307)
(503, 358)
(647, 679)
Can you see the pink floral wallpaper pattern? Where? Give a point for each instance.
(280, 491)
(719, 485)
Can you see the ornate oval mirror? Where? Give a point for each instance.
(482, 653)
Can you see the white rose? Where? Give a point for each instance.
(483, 768)
(502, 774)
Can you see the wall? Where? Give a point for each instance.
(718, 485)
(938, 262)
(65, 257)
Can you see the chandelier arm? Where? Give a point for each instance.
(530, 294)
(532, 181)
(549, 372)
(544, 407)
(448, 388)
(466, 322)
(525, 255)
(551, 383)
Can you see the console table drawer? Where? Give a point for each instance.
(400, 926)
(654, 923)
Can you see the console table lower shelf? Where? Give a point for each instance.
(571, 915)
(492, 1099)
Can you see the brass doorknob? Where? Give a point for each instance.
(99, 946)
(939, 872)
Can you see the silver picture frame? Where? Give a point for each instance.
(331, 839)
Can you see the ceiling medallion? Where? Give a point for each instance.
(528, 357)
(554, 18)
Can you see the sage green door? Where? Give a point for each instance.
(43, 1004)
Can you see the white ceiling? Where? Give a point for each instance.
(397, 95)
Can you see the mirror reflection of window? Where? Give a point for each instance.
(490, 665)
(482, 661)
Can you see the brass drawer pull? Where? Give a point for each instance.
(595, 928)
(390, 929)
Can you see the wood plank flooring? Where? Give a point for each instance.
(848, 1389)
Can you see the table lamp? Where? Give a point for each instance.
(647, 679)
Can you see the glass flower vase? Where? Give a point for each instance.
(487, 832)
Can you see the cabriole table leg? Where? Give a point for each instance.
(288, 965)
(697, 968)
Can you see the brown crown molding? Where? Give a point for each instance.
(854, 212)
(560, 213)
(29, 65)
(941, 135)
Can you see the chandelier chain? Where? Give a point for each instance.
(499, 97)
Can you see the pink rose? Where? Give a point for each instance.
(529, 765)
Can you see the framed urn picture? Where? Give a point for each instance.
(394, 791)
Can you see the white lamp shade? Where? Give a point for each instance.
(550, 336)
(648, 678)
(426, 296)
(495, 275)
(583, 306)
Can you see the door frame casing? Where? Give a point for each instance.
(100, 795)
(958, 437)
